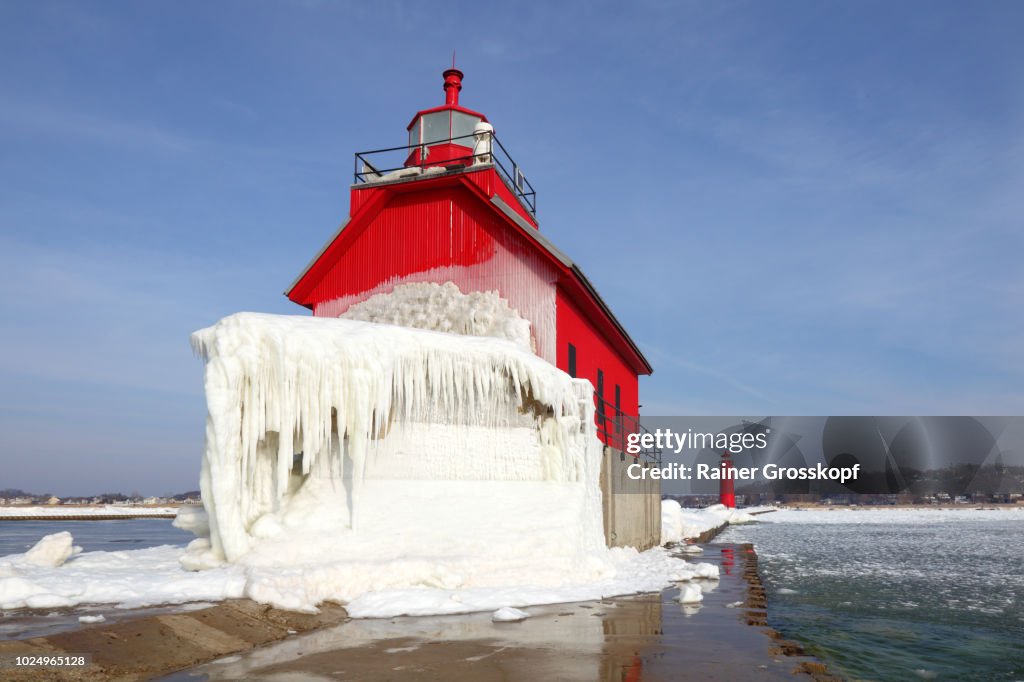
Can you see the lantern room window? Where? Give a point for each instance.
(436, 127)
(462, 126)
(414, 133)
(442, 126)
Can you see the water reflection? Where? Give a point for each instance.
(728, 560)
(643, 637)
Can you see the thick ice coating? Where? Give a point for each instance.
(443, 308)
(305, 413)
(53, 550)
(677, 523)
(402, 471)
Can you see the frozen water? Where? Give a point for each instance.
(689, 594)
(131, 579)
(443, 308)
(53, 550)
(940, 590)
(678, 524)
(398, 471)
(507, 614)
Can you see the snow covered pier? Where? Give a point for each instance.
(380, 458)
(587, 640)
(699, 525)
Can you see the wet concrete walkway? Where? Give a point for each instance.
(643, 637)
(639, 638)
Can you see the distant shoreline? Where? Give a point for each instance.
(100, 506)
(88, 512)
(978, 506)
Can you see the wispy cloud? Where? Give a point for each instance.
(52, 122)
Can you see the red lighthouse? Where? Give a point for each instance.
(452, 206)
(727, 486)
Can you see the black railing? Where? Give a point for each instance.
(393, 160)
(614, 429)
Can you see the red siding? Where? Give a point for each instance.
(438, 235)
(593, 352)
(445, 229)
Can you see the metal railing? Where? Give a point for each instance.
(366, 171)
(614, 428)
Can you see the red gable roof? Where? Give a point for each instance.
(571, 277)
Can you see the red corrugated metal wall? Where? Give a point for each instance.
(593, 353)
(440, 235)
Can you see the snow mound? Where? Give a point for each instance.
(508, 614)
(690, 594)
(403, 471)
(19, 592)
(705, 571)
(631, 572)
(52, 550)
(678, 524)
(444, 308)
(128, 579)
(148, 577)
(194, 520)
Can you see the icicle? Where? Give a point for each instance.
(278, 386)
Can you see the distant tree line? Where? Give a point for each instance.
(102, 498)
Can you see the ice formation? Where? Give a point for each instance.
(404, 471)
(383, 584)
(678, 524)
(306, 412)
(192, 519)
(443, 308)
(508, 614)
(689, 594)
(152, 576)
(129, 579)
(525, 279)
(52, 550)
(398, 471)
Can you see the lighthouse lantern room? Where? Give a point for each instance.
(453, 208)
(444, 134)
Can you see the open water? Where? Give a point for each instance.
(897, 594)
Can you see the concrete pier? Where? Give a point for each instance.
(632, 509)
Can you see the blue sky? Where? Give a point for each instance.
(795, 207)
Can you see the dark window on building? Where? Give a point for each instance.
(572, 360)
(618, 409)
(600, 399)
